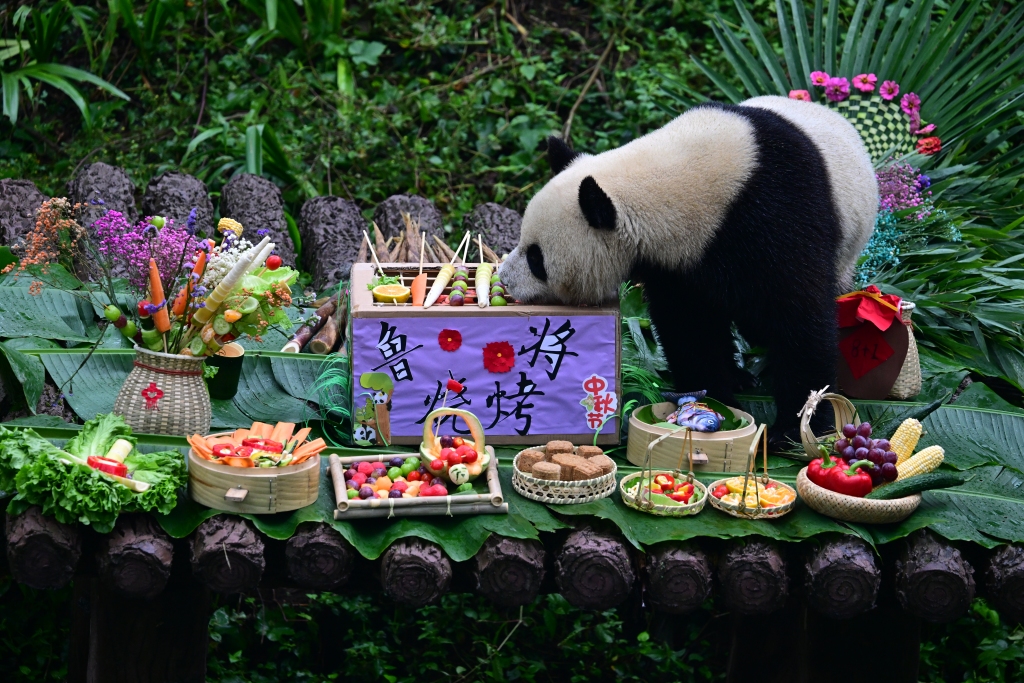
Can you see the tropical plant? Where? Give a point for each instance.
(966, 62)
(33, 48)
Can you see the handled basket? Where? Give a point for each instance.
(476, 430)
(853, 509)
(742, 510)
(845, 413)
(633, 494)
(908, 382)
(560, 492)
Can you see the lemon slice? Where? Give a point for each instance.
(391, 294)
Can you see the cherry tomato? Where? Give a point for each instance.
(273, 262)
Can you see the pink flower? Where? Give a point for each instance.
(910, 104)
(837, 89)
(924, 131)
(889, 90)
(865, 82)
(800, 95)
(819, 78)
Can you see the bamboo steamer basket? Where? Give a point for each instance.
(638, 500)
(853, 509)
(742, 510)
(845, 413)
(253, 490)
(712, 451)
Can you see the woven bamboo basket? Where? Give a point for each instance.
(723, 451)
(629, 487)
(430, 440)
(908, 383)
(845, 413)
(165, 394)
(742, 510)
(560, 492)
(253, 490)
(851, 508)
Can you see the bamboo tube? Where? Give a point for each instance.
(429, 254)
(378, 244)
(325, 340)
(362, 256)
(437, 511)
(491, 256)
(493, 483)
(337, 472)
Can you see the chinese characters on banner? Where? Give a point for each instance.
(521, 376)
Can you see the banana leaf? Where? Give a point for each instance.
(48, 314)
(17, 368)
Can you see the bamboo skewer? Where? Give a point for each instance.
(373, 253)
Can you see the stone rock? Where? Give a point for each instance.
(19, 200)
(174, 194)
(499, 226)
(100, 182)
(331, 229)
(256, 203)
(388, 215)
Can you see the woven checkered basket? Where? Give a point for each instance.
(882, 125)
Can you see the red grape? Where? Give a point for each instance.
(876, 456)
(883, 445)
(841, 445)
(889, 472)
(890, 457)
(849, 453)
(864, 429)
(849, 431)
(861, 454)
(859, 442)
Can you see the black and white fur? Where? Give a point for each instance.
(751, 214)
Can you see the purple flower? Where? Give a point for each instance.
(837, 89)
(910, 104)
(262, 232)
(900, 187)
(190, 224)
(101, 202)
(153, 308)
(924, 182)
(188, 264)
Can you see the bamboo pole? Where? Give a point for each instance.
(436, 511)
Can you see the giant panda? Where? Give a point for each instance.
(751, 214)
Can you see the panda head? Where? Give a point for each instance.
(571, 245)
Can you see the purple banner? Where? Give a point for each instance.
(521, 376)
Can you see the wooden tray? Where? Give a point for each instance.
(253, 490)
(490, 503)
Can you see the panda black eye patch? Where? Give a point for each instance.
(535, 259)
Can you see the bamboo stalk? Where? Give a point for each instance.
(436, 511)
(397, 250)
(337, 473)
(379, 247)
(362, 256)
(491, 256)
(443, 251)
(373, 253)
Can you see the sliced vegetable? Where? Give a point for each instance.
(120, 450)
(440, 282)
(221, 326)
(223, 450)
(282, 432)
(483, 284)
(916, 484)
(106, 465)
(161, 319)
(268, 445)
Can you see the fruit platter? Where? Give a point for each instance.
(260, 470)
(443, 479)
(563, 474)
(871, 480)
(749, 496)
(665, 493)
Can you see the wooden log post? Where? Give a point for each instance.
(594, 569)
(227, 554)
(509, 571)
(135, 558)
(318, 557)
(42, 552)
(752, 574)
(1004, 581)
(842, 578)
(415, 572)
(678, 577)
(933, 581)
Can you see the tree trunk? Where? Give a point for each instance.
(42, 552)
(1004, 581)
(227, 554)
(594, 570)
(753, 577)
(933, 581)
(135, 559)
(509, 571)
(842, 578)
(415, 572)
(318, 557)
(678, 577)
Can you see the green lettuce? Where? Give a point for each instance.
(73, 492)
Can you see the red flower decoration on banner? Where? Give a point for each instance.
(499, 356)
(450, 340)
(152, 394)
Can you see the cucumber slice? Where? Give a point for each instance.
(220, 325)
(249, 305)
(196, 346)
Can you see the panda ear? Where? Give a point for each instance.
(597, 206)
(560, 154)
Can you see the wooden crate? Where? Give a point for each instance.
(566, 368)
(254, 490)
(712, 452)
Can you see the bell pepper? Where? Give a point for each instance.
(267, 445)
(851, 482)
(665, 481)
(107, 465)
(223, 450)
(819, 470)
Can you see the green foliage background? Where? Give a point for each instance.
(449, 100)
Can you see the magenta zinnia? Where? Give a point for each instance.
(865, 82)
(819, 78)
(800, 95)
(889, 90)
(837, 89)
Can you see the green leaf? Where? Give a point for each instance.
(53, 276)
(96, 385)
(50, 314)
(363, 52)
(11, 95)
(298, 375)
(19, 368)
(262, 398)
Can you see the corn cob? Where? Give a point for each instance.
(904, 441)
(922, 463)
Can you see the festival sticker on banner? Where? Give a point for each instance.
(528, 378)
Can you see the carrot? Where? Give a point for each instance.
(178, 308)
(260, 431)
(311, 448)
(161, 319)
(282, 432)
(300, 436)
(200, 446)
(238, 462)
(419, 289)
(240, 436)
